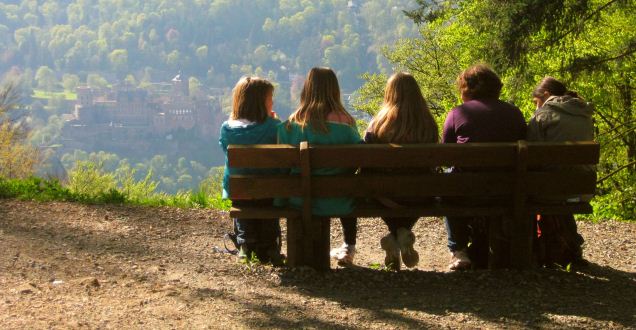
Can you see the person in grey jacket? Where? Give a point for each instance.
(561, 116)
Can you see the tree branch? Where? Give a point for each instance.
(616, 171)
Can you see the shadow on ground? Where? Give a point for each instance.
(527, 298)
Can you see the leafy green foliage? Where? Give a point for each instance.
(588, 44)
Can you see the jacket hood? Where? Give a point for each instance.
(571, 105)
(249, 134)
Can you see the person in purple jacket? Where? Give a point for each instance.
(481, 118)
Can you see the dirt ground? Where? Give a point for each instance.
(66, 265)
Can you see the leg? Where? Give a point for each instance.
(406, 240)
(269, 241)
(390, 245)
(345, 253)
(246, 231)
(458, 232)
(350, 230)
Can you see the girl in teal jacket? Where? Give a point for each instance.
(252, 122)
(322, 119)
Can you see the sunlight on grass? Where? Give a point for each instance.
(42, 94)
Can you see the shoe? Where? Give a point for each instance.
(244, 254)
(459, 260)
(344, 254)
(392, 249)
(271, 255)
(406, 239)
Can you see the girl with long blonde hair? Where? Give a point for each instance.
(404, 118)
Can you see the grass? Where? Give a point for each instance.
(51, 190)
(42, 94)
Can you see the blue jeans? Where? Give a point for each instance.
(458, 230)
(257, 234)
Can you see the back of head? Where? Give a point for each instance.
(479, 82)
(320, 97)
(404, 117)
(552, 87)
(249, 99)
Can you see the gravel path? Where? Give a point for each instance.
(68, 265)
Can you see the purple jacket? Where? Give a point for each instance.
(484, 121)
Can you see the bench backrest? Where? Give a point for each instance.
(496, 169)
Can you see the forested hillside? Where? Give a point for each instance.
(214, 41)
(54, 46)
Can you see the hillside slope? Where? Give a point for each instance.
(68, 265)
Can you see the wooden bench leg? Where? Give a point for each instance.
(308, 244)
(498, 245)
(321, 244)
(295, 257)
(521, 242)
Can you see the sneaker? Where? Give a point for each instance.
(406, 239)
(344, 254)
(459, 260)
(392, 249)
(271, 255)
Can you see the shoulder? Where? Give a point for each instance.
(338, 117)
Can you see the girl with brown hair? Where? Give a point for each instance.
(252, 121)
(322, 119)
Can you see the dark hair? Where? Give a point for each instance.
(479, 82)
(248, 99)
(553, 87)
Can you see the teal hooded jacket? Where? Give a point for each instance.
(256, 133)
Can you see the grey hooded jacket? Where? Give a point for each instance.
(560, 119)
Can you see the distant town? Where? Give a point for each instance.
(127, 119)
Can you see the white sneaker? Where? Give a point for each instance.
(344, 254)
(392, 249)
(459, 260)
(406, 239)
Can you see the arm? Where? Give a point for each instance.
(448, 133)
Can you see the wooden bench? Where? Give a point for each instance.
(510, 171)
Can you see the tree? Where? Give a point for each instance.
(17, 157)
(45, 78)
(70, 82)
(119, 59)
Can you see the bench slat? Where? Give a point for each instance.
(367, 211)
(382, 185)
(258, 187)
(413, 155)
(263, 156)
(564, 153)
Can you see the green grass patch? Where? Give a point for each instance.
(42, 94)
(51, 190)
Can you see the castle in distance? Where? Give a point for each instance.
(130, 120)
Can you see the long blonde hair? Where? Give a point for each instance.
(249, 97)
(320, 97)
(404, 116)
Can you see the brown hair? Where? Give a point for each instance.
(553, 87)
(479, 82)
(320, 97)
(249, 97)
(404, 116)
